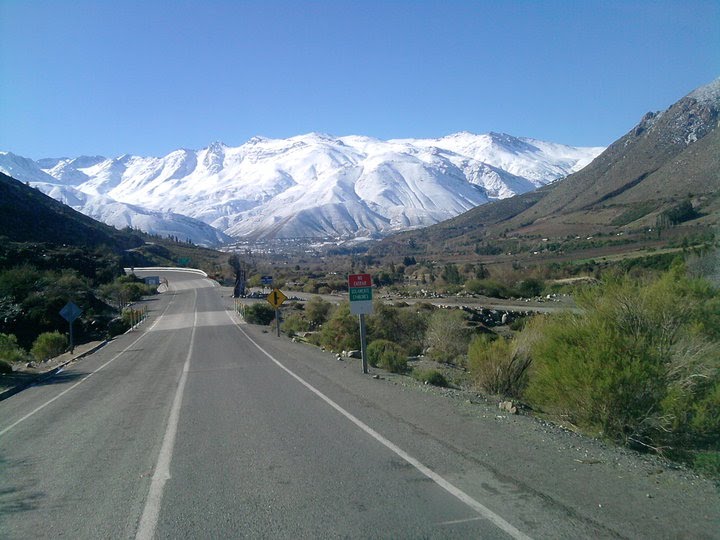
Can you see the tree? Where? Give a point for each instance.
(451, 274)
(481, 272)
(240, 275)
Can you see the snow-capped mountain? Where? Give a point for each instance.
(62, 178)
(121, 215)
(312, 185)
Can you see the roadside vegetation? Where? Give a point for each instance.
(640, 365)
(37, 280)
(637, 362)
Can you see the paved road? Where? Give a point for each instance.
(195, 426)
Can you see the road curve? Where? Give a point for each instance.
(198, 426)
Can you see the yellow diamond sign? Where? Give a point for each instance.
(276, 298)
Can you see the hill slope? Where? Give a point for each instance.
(669, 157)
(27, 215)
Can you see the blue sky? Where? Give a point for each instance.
(113, 77)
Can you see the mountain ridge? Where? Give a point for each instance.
(669, 157)
(315, 185)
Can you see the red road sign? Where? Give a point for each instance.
(359, 280)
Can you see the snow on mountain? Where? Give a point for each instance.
(122, 215)
(538, 162)
(317, 185)
(23, 169)
(61, 179)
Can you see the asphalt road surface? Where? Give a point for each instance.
(196, 425)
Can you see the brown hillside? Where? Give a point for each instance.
(669, 157)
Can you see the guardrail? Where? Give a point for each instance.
(166, 269)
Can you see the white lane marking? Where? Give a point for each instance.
(460, 521)
(482, 510)
(61, 394)
(151, 512)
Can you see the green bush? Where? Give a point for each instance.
(387, 355)
(117, 326)
(638, 365)
(406, 327)
(10, 351)
(430, 376)
(317, 311)
(5, 367)
(527, 288)
(518, 324)
(48, 345)
(487, 287)
(294, 323)
(341, 331)
(260, 313)
(131, 316)
(707, 463)
(126, 289)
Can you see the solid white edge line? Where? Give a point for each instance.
(439, 480)
(151, 511)
(118, 355)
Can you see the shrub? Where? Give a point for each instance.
(499, 366)
(447, 336)
(131, 316)
(341, 332)
(126, 289)
(708, 463)
(317, 311)
(487, 287)
(518, 324)
(387, 355)
(294, 323)
(530, 287)
(5, 367)
(260, 313)
(431, 376)
(406, 327)
(117, 326)
(48, 345)
(10, 351)
(639, 365)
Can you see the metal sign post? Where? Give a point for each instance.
(363, 345)
(360, 293)
(276, 299)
